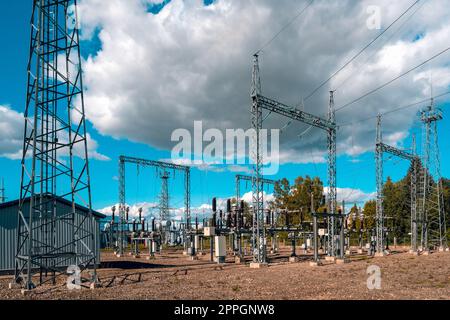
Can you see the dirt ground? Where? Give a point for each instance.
(173, 276)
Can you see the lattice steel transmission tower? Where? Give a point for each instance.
(259, 254)
(2, 191)
(379, 179)
(432, 213)
(164, 197)
(55, 153)
(332, 194)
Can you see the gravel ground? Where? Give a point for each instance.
(172, 276)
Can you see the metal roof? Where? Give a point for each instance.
(61, 200)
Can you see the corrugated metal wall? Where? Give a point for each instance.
(8, 223)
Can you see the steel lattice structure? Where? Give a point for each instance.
(161, 165)
(2, 191)
(258, 239)
(329, 125)
(240, 177)
(164, 197)
(55, 153)
(380, 149)
(332, 193)
(432, 212)
(164, 213)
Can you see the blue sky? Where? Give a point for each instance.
(353, 172)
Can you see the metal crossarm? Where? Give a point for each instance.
(294, 114)
(240, 177)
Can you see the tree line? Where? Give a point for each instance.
(295, 200)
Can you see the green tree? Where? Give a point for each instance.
(370, 208)
(298, 198)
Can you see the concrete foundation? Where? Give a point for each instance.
(239, 260)
(220, 260)
(293, 259)
(94, 285)
(315, 263)
(360, 251)
(330, 259)
(13, 285)
(342, 261)
(348, 252)
(25, 292)
(257, 265)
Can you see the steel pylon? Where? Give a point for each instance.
(432, 211)
(55, 154)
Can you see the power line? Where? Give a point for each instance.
(360, 52)
(387, 40)
(395, 110)
(393, 80)
(285, 27)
